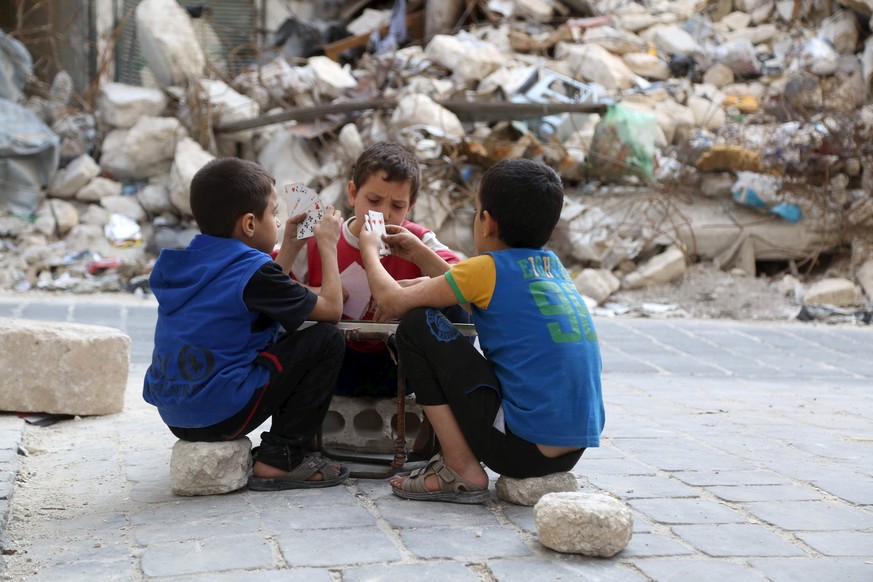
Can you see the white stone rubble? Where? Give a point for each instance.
(210, 468)
(591, 524)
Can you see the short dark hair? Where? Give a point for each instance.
(225, 189)
(524, 198)
(397, 161)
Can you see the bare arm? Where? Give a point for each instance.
(392, 299)
(291, 245)
(407, 246)
(329, 306)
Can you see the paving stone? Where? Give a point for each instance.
(444, 572)
(315, 517)
(697, 570)
(815, 570)
(850, 486)
(686, 511)
(289, 575)
(650, 545)
(709, 478)
(731, 540)
(840, 543)
(89, 570)
(765, 493)
(402, 513)
(464, 543)
(611, 467)
(637, 487)
(562, 567)
(337, 547)
(153, 532)
(246, 552)
(45, 312)
(811, 516)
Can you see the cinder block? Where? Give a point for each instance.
(62, 368)
(366, 425)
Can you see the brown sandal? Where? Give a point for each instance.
(453, 487)
(299, 477)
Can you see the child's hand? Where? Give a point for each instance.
(327, 230)
(403, 243)
(290, 236)
(369, 239)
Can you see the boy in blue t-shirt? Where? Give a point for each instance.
(533, 403)
(220, 367)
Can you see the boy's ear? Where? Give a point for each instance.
(353, 193)
(246, 224)
(488, 224)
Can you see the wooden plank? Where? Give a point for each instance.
(414, 27)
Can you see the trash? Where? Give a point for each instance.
(122, 231)
(29, 155)
(15, 66)
(99, 265)
(546, 86)
(761, 192)
(623, 144)
(830, 314)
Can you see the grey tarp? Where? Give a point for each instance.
(29, 156)
(15, 65)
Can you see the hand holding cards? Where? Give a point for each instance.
(375, 222)
(302, 199)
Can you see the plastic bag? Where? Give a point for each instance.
(623, 143)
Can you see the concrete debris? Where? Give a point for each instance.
(591, 524)
(528, 491)
(731, 132)
(832, 291)
(202, 468)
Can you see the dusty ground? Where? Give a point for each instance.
(705, 292)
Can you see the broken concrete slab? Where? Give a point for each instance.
(597, 284)
(420, 110)
(469, 58)
(56, 217)
(660, 269)
(832, 291)
(62, 368)
(591, 524)
(331, 79)
(97, 189)
(865, 278)
(594, 63)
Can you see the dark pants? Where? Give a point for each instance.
(443, 367)
(375, 373)
(303, 369)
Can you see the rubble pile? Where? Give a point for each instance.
(730, 131)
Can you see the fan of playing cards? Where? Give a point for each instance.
(375, 221)
(303, 199)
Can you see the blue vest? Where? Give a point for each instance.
(540, 339)
(203, 368)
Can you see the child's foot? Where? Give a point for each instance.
(312, 472)
(439, 482)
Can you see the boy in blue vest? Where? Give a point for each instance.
(533, 403)
(220, 368)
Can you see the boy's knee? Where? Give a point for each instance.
(329, 336)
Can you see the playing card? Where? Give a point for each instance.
(354, 280)
(298, 198)
(314, 214)
(375, 221)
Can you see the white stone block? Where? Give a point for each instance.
(422, 110)
(673, 40)
(143, 151)
(56, 217)
(470, 59)
(660, 269)
(592, 62)
(200, 468)
(127, 206)
(331, 79)
(62, 368)
(168, 42)
(598, 284)
(833, 291)
(648, 66)
(122, 105)
(591, 524)
(97, 189)
(282, 147)
(74, 176)
(190, 157)
(528, 491)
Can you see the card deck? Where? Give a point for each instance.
(300, 199)
(375, 221)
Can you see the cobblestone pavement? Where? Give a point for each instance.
(745, 451)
